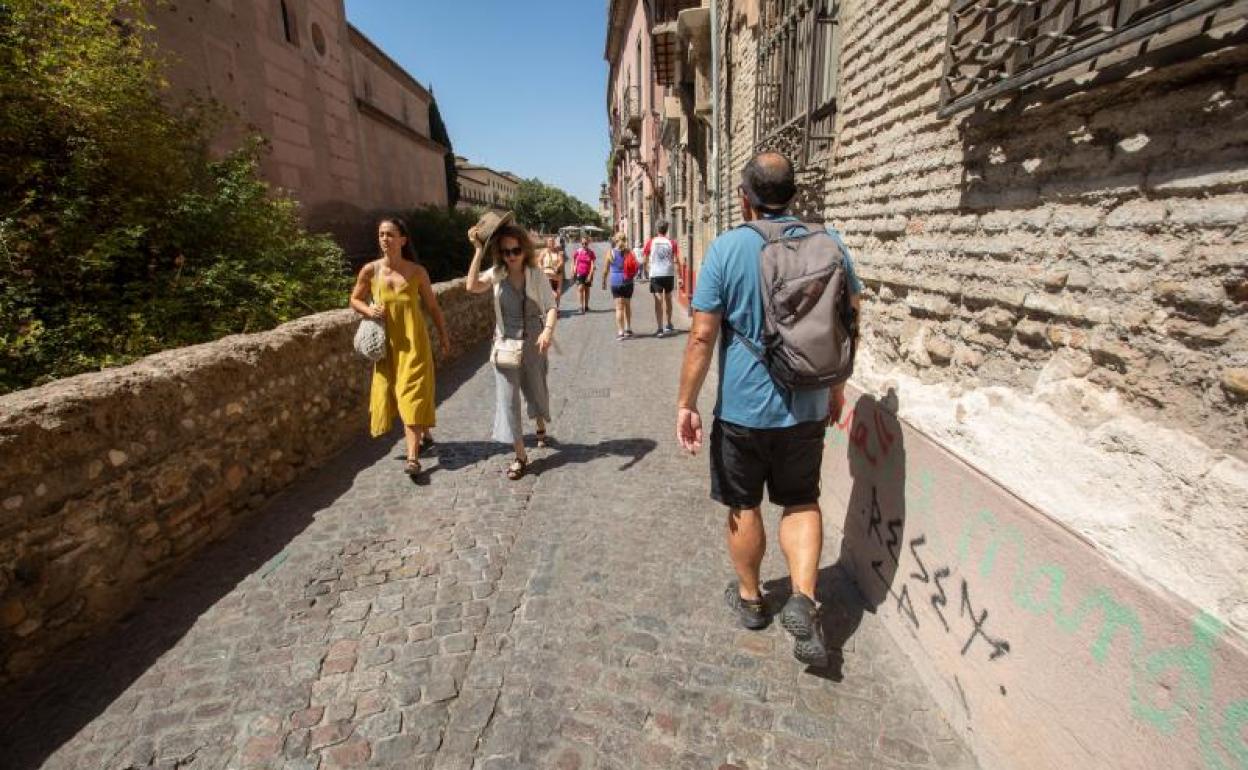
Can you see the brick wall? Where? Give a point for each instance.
(112, 480)
(1103, 233)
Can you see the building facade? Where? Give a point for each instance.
(483, 187)
(347, 126)
(659, 113)
(1048, 203)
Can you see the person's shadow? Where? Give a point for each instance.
(456, 455)
(872, 532)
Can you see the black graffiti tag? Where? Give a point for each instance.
(999, 646)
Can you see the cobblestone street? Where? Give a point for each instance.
(573, 619)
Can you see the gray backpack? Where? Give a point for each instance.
(810, 329)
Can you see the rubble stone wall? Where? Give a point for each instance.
(110, 480)
(1102, 235)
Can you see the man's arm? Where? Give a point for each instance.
(703, 335)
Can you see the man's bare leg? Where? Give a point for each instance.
(801, 539)
(747, 542)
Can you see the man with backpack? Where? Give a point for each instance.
(660, 254)
(781, 298)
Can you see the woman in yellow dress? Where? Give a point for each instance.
(403, 380)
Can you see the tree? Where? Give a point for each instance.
(439, 134)
(539, 206)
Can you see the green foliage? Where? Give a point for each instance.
(119, 234)
(439, 134)
(539, 206)
(440, 237)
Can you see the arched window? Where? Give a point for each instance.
(289, 29)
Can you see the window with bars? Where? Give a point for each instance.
(999, 46)
(797, 77)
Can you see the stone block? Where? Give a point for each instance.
(939, 349)
(1222, 211)
(1031, 333)
(1195, 300)
(1235, 384)
(1137, 214)
(997, 320)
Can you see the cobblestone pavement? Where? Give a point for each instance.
(573, 619)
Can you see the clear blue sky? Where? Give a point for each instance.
(521, 85)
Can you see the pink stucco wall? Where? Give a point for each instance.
(342, 163)
(638, 71)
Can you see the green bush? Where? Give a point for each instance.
(119, 234)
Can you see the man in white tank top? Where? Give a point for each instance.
(661, 257)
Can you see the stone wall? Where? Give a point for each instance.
(1102, 233)
(111, 480)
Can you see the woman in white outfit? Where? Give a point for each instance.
(524, 310)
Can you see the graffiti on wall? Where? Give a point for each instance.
(932, 585)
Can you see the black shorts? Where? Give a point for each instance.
(787, 460)
(664, 284)
(624, 291)
(583, 280)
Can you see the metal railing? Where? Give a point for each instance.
(798, 75)
(999, 46)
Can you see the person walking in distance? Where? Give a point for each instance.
(620, 273)
(765, 434)
(584, 263)
(552, 266)
(524, 319)
(661, 257)
(403, 380)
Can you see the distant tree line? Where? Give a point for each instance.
(542, 207)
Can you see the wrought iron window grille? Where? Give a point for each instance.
(797, 77)
(996, 47)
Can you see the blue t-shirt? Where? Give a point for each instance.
(729, 283)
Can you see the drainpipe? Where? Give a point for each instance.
(715, 148)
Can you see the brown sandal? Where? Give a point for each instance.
(543, 440)
(517, 469)
(412, 467)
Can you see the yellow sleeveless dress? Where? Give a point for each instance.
(403, 381)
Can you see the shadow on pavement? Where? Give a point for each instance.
(634, 449)
(841, 611)
(44, 711)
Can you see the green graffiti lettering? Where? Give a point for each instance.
(1195, 665)
(997, 536)
(1236, 719)
(920, 489)
(1023, 589)
(1113, 617)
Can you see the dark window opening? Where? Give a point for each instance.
(289, 30)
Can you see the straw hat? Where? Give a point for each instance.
(489, 223)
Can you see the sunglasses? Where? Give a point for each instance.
(511, 252)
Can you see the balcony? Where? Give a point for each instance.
(630, 108)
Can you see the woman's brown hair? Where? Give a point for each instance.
(522, 237)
